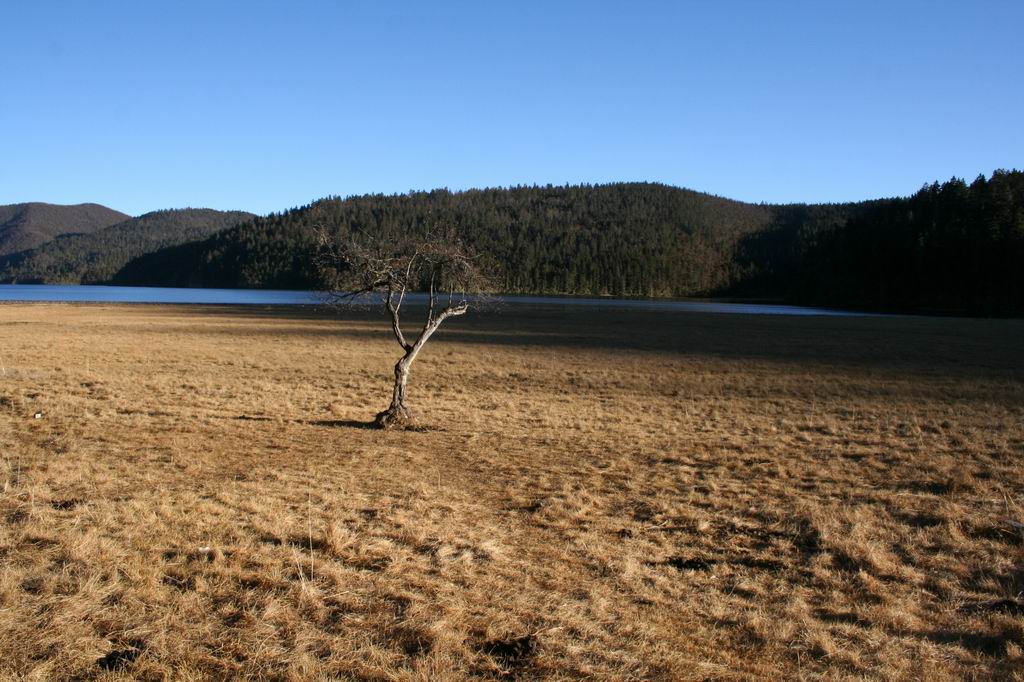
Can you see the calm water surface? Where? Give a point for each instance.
(102, 294)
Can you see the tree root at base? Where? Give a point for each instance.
(395, 417)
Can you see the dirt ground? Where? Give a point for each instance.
(593, 495)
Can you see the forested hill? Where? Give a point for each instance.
(953, 247)
(25, 226)
(625, 239)
(95, 257)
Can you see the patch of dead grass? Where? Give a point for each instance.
(616, 496)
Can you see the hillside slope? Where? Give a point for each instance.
(951, 247)
(623, 239)
(95, 257)
(25, 226)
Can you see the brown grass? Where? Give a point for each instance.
(609, 496)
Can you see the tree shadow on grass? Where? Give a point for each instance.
(330, 423)
(371, 425)
(341, 423)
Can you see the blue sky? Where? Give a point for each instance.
(265, 106)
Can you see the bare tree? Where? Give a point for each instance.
(393, 266)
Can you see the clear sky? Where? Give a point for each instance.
(265, 106)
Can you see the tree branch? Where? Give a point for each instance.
(396, 325)
(433, 296)
(453, 311)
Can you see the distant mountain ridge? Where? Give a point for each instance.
(26, 226)
(644, 239)
(950, 247)
(94, 257)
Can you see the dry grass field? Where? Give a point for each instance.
(613, 495)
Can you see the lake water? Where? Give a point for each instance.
(103, 294)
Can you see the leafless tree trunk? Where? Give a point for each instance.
(440, 264)
(398, 414)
